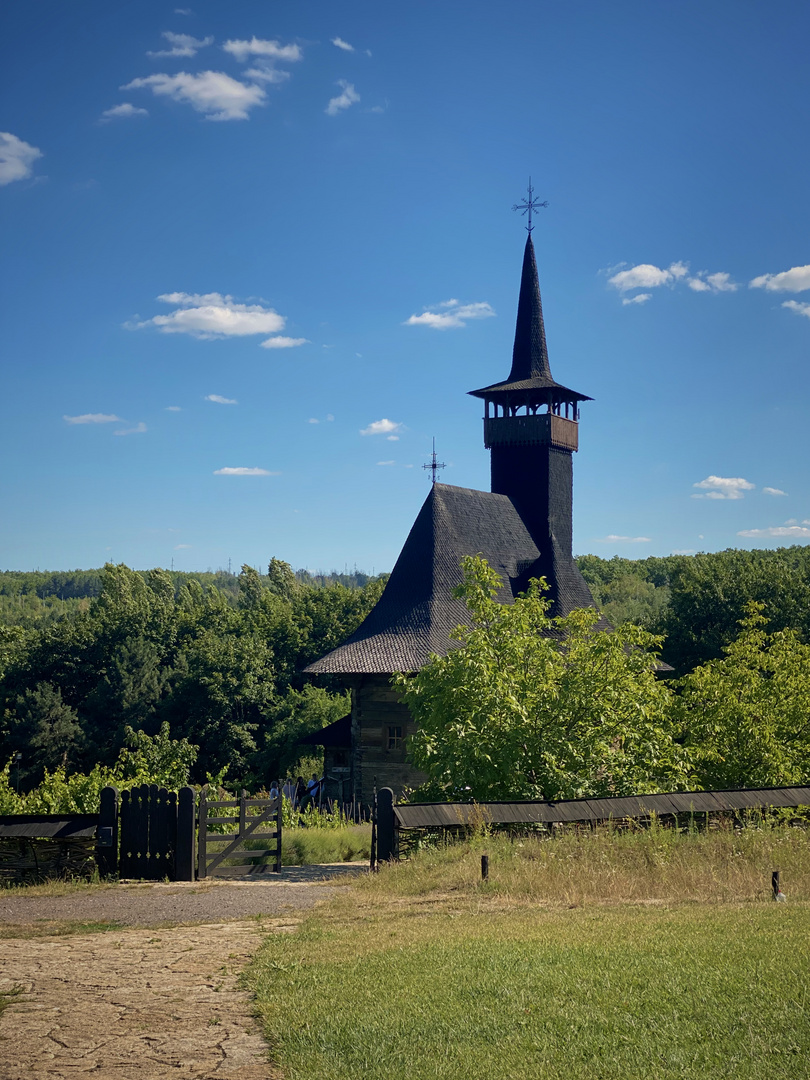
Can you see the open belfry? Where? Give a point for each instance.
(523, 527)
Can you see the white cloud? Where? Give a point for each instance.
(313, 420)
(393, 438)
(329, 417)
(723, 487)
(341, 44)
(641, 298)
(644, 276)
(453, 316)
(182, 44)
(773, 491)
(16, 158)
(386, 463)
(213, 93)
(266, 73)
(244, 471)
(284, 342)
(613, 539)
(138, 429)
(705, 282)
(122, 111)
(683, 551)
(797, 279)
(181, 547)
(262, 47)
(344, 100)
(94, 418)
(218, 399)
(795, 532)
(173, 408)
(381, 427)
(800, 309)
(183, 11)
(212, 315)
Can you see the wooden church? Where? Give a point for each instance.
(523, 527)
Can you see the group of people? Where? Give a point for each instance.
(299, 793)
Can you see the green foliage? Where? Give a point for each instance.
(217, 658)
(532, 707)
(310, 846)
(747, 716)
(143, 759)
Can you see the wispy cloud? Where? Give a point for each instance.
(182, 44)
(16, 158)
(212, 315)
(213, 93)
(243, 50)
(218, 399)
(173, 408)
(649, 276)
(792, 532)
(614, 539)
(183, 11)
(137, 429)
(800, 309)
(773, 491)
(683, 551)
(181, 547)
(266, 73)
(386, 463)
(284, 342)
(123, 111)
(450, 315)
(797, 279)
(341, 44)
(723, 487)
(242, 470)
(94, 418)
(313, 420)
(382, 427)
(346, 98)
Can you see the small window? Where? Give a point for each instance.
(395, 740)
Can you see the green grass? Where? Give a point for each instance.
(309, 846)
(421, 972)
(8, 997)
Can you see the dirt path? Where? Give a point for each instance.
(143, 1001)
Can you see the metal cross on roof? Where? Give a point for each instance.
(527, 205)
(434, 465)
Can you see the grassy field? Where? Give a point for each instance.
(423, 972)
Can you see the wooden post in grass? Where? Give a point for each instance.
(775, 883)
(485, 867)
(385, 825)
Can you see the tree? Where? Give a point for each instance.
(747, 715)
(532, 707)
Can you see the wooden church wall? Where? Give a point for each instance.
(381, 725)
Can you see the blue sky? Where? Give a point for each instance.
(255, 254)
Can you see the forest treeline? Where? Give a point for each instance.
(221, 666)
(86, 654)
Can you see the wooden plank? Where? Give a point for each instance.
(47, 826)
(240, 854)
(211, 838)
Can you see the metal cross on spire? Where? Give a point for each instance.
(434, 465)
(528, 205)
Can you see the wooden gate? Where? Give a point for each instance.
(243, 822)
(148, 833)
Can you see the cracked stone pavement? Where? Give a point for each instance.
(134, 1004)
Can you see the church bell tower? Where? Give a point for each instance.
(531, 424)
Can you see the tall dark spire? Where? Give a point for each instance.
(530, 352)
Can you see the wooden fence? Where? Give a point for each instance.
(225, 838)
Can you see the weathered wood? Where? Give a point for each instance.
(186, 823)
(107, 834)
(385, 825)
(202, 817)
(221, 852)
(45, 826)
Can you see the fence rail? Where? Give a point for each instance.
(236, 858)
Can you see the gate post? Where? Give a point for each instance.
(186, 821)
(107, 833)
(385, 825)
(202, 828)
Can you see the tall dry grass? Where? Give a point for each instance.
(725, 864)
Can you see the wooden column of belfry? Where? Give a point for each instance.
(522, 527)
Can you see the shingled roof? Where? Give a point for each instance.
(416, 612)
(530, 366)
